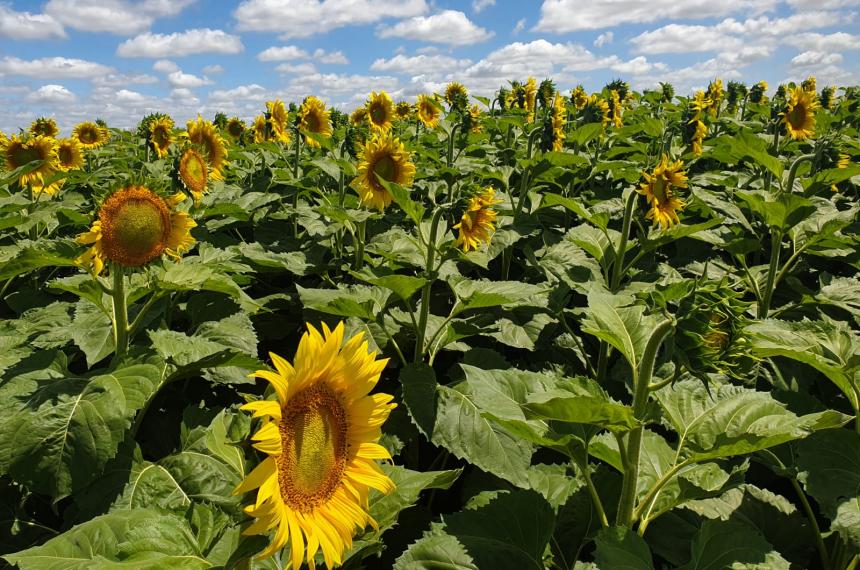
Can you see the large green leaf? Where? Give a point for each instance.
(435, 551)
(624, 326)
(134, 539)
(619, 547)
(408, 486)
(27, 256)
(727, 544)
(580, 401)
(58, 438)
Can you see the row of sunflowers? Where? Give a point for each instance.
(546, 329)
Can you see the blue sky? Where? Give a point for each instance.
(121, 59)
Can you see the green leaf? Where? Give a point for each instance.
(419, 395)
(482, 294)
(581, 401)
(434, 552)
(621, 548)
(407, 487)
(92, 331)
(401, 195)
(57, 439)
(727, 544)
(781, 212)
(404, 286)
(356, 301)
(626, 327)
(135, 539)
(18, 259)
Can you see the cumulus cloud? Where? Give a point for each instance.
(637, 66)
(330, 58)
(28, 26)
(51, 94)
(420, 64)
(604, 39)
(299, 68)
(816, 58)
(179, 44)
(52, 67)
(563, 16)
(165, 66)
(447, 27)
(839, 41)
(304, 18)
(187, 80)
(521, 25)
(252, 92)
(120, 17)
(282, 53)
(214, 69)
(481, 5)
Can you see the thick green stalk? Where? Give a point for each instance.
(792, 171)
(425, 291)
(618, 266)
(775, 146)
(813, 523)
(451, 137)
(120, 312)
(641, 380)
(592, 491)
(360, 236)
(767, 294)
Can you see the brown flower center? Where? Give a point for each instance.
(135, 226)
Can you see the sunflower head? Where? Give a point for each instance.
(659, 189)
(476, 224)
(69, 155)
(314, 118)
(235, 128)
(276, 115)
(320, 440)
(734, 93)
(135, 226)
(358, 116)
(428, 111)
(578, 97)
(457, 95)
(715, 95)
(700, 103)
(161, 135)
(260, 128)
(91, 135)
(710, 333)
(403, 110)
(596, 110)
(193, 173)
(546, 93)
(502, 98)
(615, 108)
(809, 84)
(827, 94)
(621, 87)
(757, 92)
(667, 91)
(383, 156)
(20, 152)
(530, 93)
(474, 119)
(44, 126)
(799, 114)
(380, 111)
(204, 137)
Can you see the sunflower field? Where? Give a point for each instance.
(542, 330)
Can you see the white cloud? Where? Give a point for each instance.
(282, 53)
(604, 39)
(184, 96)
(839, 41)
(27, 26)
(120, 17)
(114, 80)
(521, 25)
(214, 69)
(165, 66)
(427, 64)
(481, 5)
(128, 96)
(299, 68)
(251, 92)
(563, 16)
(304, 18)
(823, 4)
(330, 58)
(51, 94)
(179, 44)
(637, 66)
(52, 67)
(447, 27)
(816, 58)
(187, 80)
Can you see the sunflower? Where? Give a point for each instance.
(658, 189)
(193, 173)
(135, 226)
(403, 110)
(799, 116)
(842, 163)
(596, 110)
(161, 135)
(380, 111)
(260, 128)
(19, 152)
(531, 99)
(559, 113)
(699, 132)
(757, 92)
(208, 142)
(827, 96)
(91, 135)
(45, 127)
(615, 109)
(69, 155)
(579, 97)
(476, 225)
(809, 84)
(382, 155)
(456, 94)
(319, 437)
(475, 119)
(314, 119)
(358, 116)
(715, 95)
(236, 128)
(277, 116)
(428, 111)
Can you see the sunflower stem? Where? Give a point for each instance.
(359, 246)
(770, 285)
(641, 381)
(120, 311)
(592, 491)
(451, 137)
(775, 147)
(618, 265)
(429, 274)
(792, 171)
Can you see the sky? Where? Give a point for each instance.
(119, 60)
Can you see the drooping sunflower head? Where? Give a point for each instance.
(700, 103)
(555, 126)
(204, 137)
(20, 152)
(667, 91)
(596, 110)
(621, 87)
(695, 133)
(403, 110)
(320, 439)
(715, 95)
(384, 156)
(578, 97)
(799, 114)
(757, 92)
(502, 98)
(474, 116)
(161, 135)
(260, 129)
(734, 93)
(359, 116)
(235, 128)
(91, 135)
(44, 126)
(314, 119)
(476, 226)
(457, 95)
(809, 84)
(428, 111)
(546, 93)
(827, 94)
(135, 226)
(615, 109)
(276, 115)
(69, 155)
(380, 111)
(659, 189)
(193, 173)
(530, 91)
